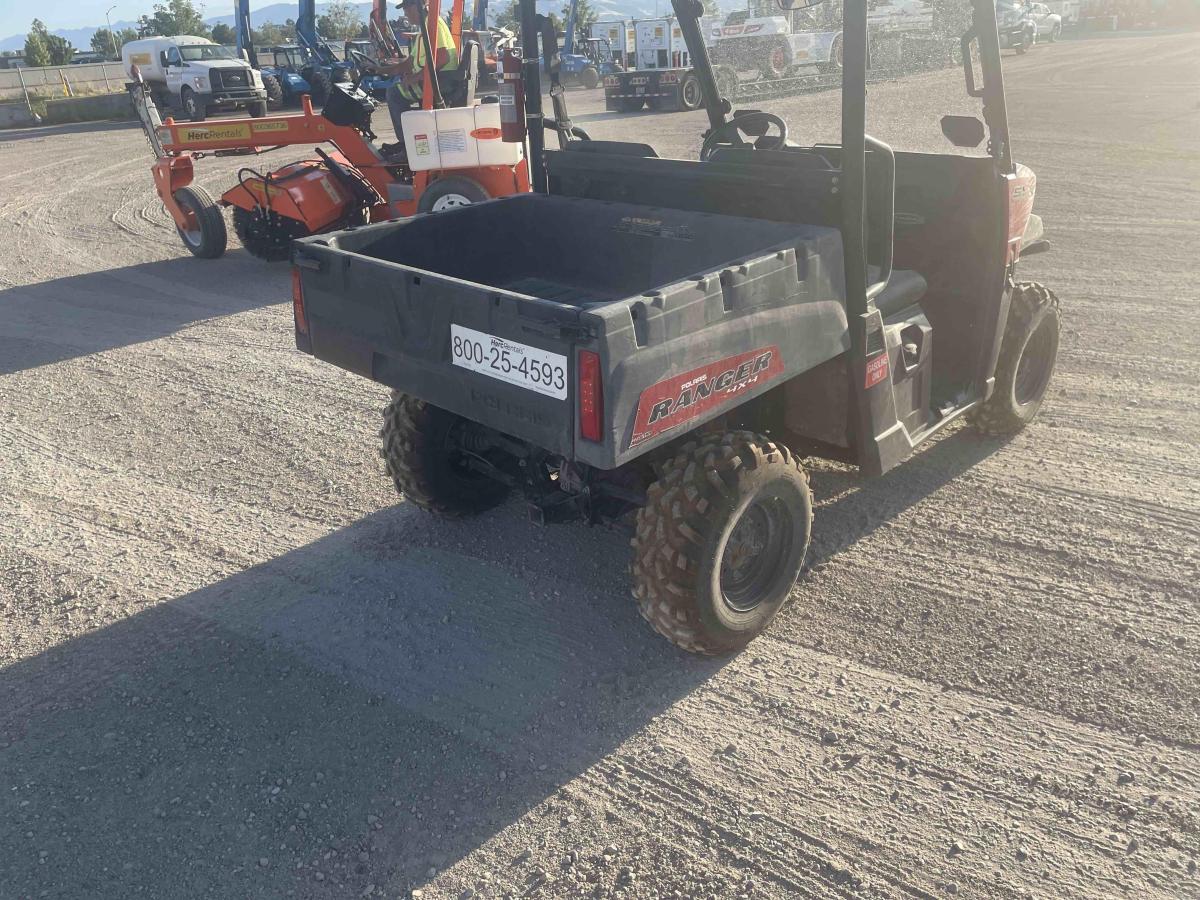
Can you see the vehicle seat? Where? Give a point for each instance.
(458, 85)
(904, 288)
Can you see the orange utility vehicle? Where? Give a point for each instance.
(354, 182)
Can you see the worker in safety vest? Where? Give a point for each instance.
(405, 93)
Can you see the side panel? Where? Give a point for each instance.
(1021, 187)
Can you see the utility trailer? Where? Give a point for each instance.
(663, 78)
(771, 299)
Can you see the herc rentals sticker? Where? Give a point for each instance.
(212, 134)
(674, 401)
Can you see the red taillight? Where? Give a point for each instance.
(591, 395)
(298, 302)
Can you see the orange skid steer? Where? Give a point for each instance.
(351, 183)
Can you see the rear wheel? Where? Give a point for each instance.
(1028, 353)
(274, 92)
(257, 110)
(589, 77)
(1055, 34)
(424, 453)
(193, 107)
(721, 540)
(451, 192)
(835, 57)
(205, 235)
(690, 96)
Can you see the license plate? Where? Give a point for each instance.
(639, 91)
(519, 364)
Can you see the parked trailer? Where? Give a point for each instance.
(662, 77)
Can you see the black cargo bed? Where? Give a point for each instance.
(655, 292)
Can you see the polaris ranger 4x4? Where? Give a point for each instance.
(671, 335)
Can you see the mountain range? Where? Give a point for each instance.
(278, 13)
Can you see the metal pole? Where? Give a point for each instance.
(24, 90)
(531, 61)
(112, 39)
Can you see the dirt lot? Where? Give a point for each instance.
(232, 665)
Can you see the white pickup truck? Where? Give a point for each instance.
(195, 75)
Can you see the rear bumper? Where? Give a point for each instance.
(644, 85)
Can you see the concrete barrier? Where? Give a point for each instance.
(16, 115)
(89, 109)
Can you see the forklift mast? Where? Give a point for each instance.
(479, 16)
(306, 33)
(382, 35)
(569, 40)
(245, 37)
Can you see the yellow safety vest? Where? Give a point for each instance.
(442, 41)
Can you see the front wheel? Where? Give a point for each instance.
(721, 541)
(321, 85)
(1055, 34)
(589, 77)
(424, 453)
(274, 90)
(193, 107)
(204, 235)
(1028, 352)
(257, 110)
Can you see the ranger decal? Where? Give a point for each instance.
(681, 398)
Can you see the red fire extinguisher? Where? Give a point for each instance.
(512, 97)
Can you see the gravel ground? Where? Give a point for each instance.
(232, 665)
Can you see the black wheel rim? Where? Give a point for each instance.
(1035, 365)
(754, 552)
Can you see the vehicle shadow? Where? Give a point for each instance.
(52, 321)
(361, 710)
(850, 507)
(356, 711)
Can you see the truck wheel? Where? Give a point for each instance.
(721, 540)
(835, 57)
(257, 110)
(727, 82)
(690, 95)
(206, 236)
(321, 84)
(422, 451)
(589, 77)
(192, 107)
(774, 63)
(451, 192)
(274, 92)
(266, 234)
(1055, 34)
(1028, 352)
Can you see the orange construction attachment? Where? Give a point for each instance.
(304, 191)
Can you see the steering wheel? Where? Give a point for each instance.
(730, 134)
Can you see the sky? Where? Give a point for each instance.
(15, 15)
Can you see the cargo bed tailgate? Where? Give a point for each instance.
(496, 357)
